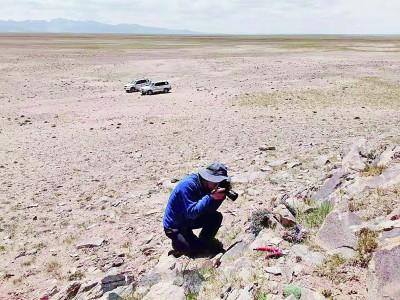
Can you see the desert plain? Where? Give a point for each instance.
(81, 160)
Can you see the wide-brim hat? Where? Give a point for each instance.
(215, 172)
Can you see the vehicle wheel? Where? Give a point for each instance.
(150, 93)
(166, 90)
(133, 90)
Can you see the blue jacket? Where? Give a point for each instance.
(188, 201)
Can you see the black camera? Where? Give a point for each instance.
(226, 184)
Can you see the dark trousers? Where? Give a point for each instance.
(184, 240)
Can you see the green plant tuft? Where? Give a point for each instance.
(314, 218)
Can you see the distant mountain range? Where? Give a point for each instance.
(70, 26)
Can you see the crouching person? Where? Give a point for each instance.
(193, 204)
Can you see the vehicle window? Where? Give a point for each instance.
(158, 83)
(166, 83)
(140, 81)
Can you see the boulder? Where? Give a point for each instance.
(330, 185)
(352, 160)
(336, 232)
(266, 237)
(388, 178)
(166, 265)
(234, 252)
(307, 294)
(384, 275)
(165, 290)
(387, 156)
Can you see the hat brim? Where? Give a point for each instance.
(212, 178)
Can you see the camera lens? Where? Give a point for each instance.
(232, 195)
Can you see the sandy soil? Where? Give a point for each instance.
(82, 159)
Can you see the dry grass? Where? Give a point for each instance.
(100, 42)
(366, 91)
(374, 203)
(331, 268)
(367, 243)
(54, 268)
(372, 171)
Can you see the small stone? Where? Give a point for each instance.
(90, 243)
(267, 148)
(273, 270)
(277, 163)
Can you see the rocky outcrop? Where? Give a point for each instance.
(336, 234)
(384, 268)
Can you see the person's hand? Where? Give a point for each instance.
(218, 194)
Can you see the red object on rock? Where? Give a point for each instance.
(273, 251)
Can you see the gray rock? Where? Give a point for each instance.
(307, 294)
(395, 232)
(166, 265)
(114, 278)
(330, 185)
(149, 279)
(277, 163)
(165, 290)
(69, 292)
(336, 231)
(273, 270)
(234, 252)
(353, 161)
(266, 237)
(90, 243)
(388, 178)
(119, 293)
(307, 256)
(387, 156)
(192, 281)
(384, 275)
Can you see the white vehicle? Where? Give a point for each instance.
(136, 85)
(156, 87)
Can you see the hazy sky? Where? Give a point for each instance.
(222, 16)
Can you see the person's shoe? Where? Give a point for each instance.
(214, 246)
(175, 253)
